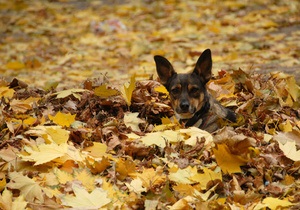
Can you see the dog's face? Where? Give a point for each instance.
(187, 91)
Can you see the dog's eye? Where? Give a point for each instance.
(175, 91)
(194, 90)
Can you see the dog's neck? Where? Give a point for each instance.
(197, 119)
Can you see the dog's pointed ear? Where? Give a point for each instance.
(164, 69)
(204, 65)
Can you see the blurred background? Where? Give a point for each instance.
(61, 42)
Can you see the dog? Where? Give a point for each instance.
(192, 103)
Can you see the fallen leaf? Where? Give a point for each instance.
(66, 93)
(127, 90)
(45, 153)
(8, 203)
(85, 200)
(63, 119)
(228, 162)
(30, 189)
(105, 92)
(206, 177)
(132, 120)
(275, 203)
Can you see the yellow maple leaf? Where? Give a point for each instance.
(125, 168)
(45, 153)
(6, 92)
(152, 178)
(97, 165)
(290, 151)
(136, 185)
(62, 176)
(63, 119)
(51, 134)
(105, 92)
(28, 187)
(127, 90)
(275, 203)
(161, 89)
(160, 138)
(86, 178)
(228, 162)
(194, 134)
(66, 93)
(183, 176)
(8, 203)
(98, 150)
(206, 177)
(132, 120)
(184, 189)
(84, 200)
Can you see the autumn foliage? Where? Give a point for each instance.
(113, 143)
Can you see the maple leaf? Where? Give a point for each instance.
(63, 119)
(28, 187)
(290, 151)
(45, 153)
(287, 143)
(136, 185)
(162, 89)
(195, 134)
(125, 168)
(66, 93)
(105, 92)
(127, 90)
(22, 106)
(6, 92)
(50, 134)
(159, 138)
(152, 178)
(183, 176)
(206, 177)
(98, 150)
(228, 162)
(275, 203)
(62, 176)
(8, 203)
(85, 177)
(132, 120)
(84, 200)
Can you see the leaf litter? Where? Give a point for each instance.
(98, 145)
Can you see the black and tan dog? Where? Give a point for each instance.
(192, 104)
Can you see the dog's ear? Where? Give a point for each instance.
(164, 69)
(204, 65)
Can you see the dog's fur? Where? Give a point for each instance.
(192, 104)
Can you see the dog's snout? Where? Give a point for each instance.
(184, 105)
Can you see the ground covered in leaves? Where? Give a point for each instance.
(73, 135)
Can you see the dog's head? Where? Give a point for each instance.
(187, 91)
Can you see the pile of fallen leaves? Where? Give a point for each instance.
(96, 146)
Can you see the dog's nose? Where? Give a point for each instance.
(184, 105)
